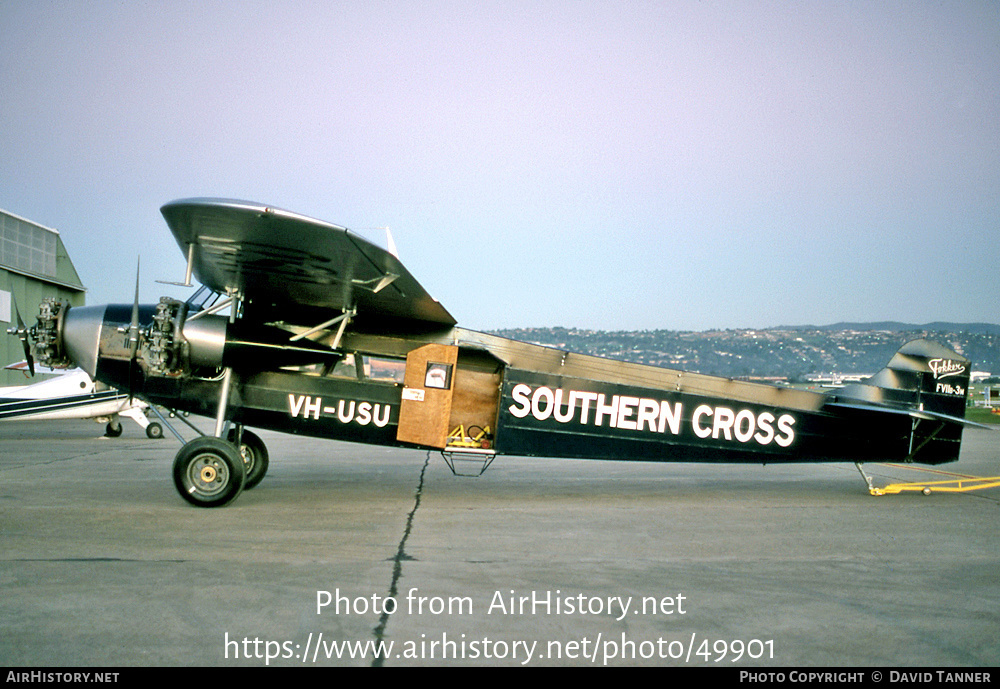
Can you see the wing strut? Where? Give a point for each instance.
(380, 283)
(213, 309)
(343, 319)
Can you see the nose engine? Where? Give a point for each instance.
(64, 336)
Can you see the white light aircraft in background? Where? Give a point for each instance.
(73, 394)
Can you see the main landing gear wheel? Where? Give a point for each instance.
(209, 472)
(255, 458)
(154, 431)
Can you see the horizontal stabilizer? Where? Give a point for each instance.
(915, 414)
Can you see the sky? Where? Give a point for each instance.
(610, 165)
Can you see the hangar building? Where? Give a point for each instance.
(33, 265)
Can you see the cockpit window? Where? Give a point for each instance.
(374, 368)
(202, 299)
(345, 368)
(384, 368)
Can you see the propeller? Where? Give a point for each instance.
(22, 333)
(133, 333)
(133, 328)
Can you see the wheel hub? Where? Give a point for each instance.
(208, 475)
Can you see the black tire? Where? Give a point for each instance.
(154, 431)
(209, 472)
(255, 457)
(113, 430)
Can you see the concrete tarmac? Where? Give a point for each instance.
(537, 562)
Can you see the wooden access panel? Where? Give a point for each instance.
(475, 400)
(428, 387)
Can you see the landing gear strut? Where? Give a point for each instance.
(211, 471)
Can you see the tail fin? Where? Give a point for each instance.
(922, 375)
(929, 383)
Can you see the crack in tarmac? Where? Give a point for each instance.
(398, 559)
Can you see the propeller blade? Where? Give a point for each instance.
(133, 328)
(22, 333)
(133, 333)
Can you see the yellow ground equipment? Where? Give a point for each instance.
(478, 438)
(957, 484)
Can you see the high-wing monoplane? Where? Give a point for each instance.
(319, 332)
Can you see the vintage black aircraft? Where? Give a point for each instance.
(329, 335)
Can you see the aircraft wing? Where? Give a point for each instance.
(285, 264)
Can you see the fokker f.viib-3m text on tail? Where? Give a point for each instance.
(328, 335)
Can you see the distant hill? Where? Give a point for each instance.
(793, 352)
(895, 326)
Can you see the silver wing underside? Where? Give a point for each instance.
(288, 263)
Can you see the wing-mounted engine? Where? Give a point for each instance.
(175, 345)
(165, 349)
